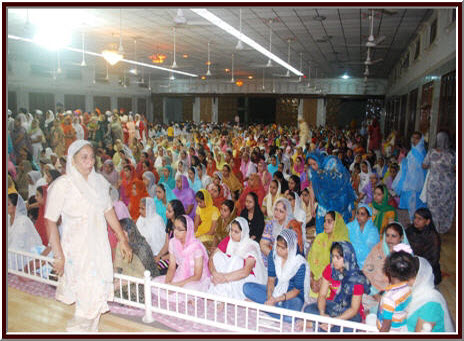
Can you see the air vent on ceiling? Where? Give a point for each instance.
(319, 18)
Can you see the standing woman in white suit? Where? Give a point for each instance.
(83, 255)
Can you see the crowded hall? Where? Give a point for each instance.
(231, 170)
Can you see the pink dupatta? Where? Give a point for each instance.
(186, 252)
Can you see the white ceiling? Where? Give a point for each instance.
(152, 27)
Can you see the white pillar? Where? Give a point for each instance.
(215, 108)
(114, 103)
(89, 102)
(196, 110)
(164, 110)
(22, 98)
(300, 108)
(59, 97)
(433, 127)
(321, 112)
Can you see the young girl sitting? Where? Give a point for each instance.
(400, 268)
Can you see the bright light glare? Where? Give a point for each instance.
(57, 17)
(345, 76)
(53, 38)
(112, 57)
(95, 54)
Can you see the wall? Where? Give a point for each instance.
(227, 108)
(310, 111)
(187, 108)
(287, 110)
(206, 108)
(22, 82)
(435, 60)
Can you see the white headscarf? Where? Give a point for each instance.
(298, 211)
(152, 227)
(35, 177)
(364, 177)
(294, 261)
(22, 235)
(50, 118)
(277, 228)
(247, 247)
(92, 188)
(423, 291)
(23, 120)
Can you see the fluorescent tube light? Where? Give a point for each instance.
(128, 61)
(229, 29)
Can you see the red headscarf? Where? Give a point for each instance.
(134, 202)
(126, 184)
(254, 185)
(210, 170)
(40, 222)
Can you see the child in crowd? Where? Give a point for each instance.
(400, 268)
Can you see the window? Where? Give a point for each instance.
(12, 101)
(125, 103)
(42, 71)
(405, 63)
(142, 106)
(433, 31)
(417, 51)
(41, 101)
(103, 103)
(73, 102)
(412, 111)
(447, 109)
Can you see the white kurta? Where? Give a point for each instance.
(88, 272)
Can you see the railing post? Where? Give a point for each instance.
(148, 317)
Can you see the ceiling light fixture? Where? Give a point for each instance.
(345, 76)
(269, 62)
(158, 58)
(95, 54)
(232, 80)
(134, 71)
(121, 49)
(83, 63)
(174, 64)
(240, 44)
(208, 72)
(229, 29)
(112, 56)
(239, 83)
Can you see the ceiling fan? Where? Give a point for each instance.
(287, 74)
(372, 42)
(232, 78)
(300, 78)
(181, 20)
(308, 84)
(269, 62)
(368, 60)
(240, 46)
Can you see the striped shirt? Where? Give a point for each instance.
(393, 305)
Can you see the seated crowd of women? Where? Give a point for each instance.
(279, 225)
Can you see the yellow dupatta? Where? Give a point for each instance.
(208, 214)
(319, 255)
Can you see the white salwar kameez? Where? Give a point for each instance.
(234, 259)
(88, 270)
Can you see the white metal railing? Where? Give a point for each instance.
(212, 310)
